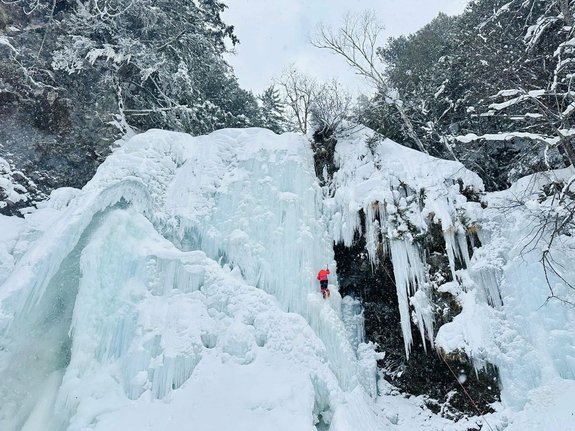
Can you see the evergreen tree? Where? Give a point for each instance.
(272, 108)
(419, 68)
(490, 87)
(84, 72)
(163, 57)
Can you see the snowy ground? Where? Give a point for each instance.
(177, 291)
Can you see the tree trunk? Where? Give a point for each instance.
(410, 129)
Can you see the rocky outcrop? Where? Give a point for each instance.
(56, 128)
(450, 383)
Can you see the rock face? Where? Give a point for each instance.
(425, 372)
(451, 384)
(48, 139)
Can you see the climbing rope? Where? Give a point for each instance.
(463, 388)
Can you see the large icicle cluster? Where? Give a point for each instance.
(401, 192)
(516, 313)
(181, 281)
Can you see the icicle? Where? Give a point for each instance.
(383, 221)
(351, 224)
(463, 250)
(372, 232)
(367, 364)
(450, 247)
(172, 373)
(409, 272)
(456, 246)
(423, 309)
(487, 278)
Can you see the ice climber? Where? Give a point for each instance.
(322, 277)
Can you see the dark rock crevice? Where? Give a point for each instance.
(425, 372)
(323, 146)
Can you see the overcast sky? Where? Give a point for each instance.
(275, 33)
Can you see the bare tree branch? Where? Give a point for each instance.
(357, 42)
(299, 91)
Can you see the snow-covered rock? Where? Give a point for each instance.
(399, 193)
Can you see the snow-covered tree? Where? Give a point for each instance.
(83, 73)
(313, 105)
(489, 88)
(418, 67)
(272, 107)
(541, 110)
(163, 58)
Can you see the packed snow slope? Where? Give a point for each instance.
(177, 291)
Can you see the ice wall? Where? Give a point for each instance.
(181, 254)
(258, 208)
(154, 323)
(401, 192)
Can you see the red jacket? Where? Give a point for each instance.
(322, 275)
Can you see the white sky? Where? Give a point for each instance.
(275, 34)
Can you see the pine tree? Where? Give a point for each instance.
(272, 108)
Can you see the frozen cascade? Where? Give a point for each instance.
(44, 351)
(264, 216)
(138, 336)
(152, 318)
(352, 317)
(401, 192)
(182, 278)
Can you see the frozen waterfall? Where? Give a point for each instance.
(177, 290)
(183, 272)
